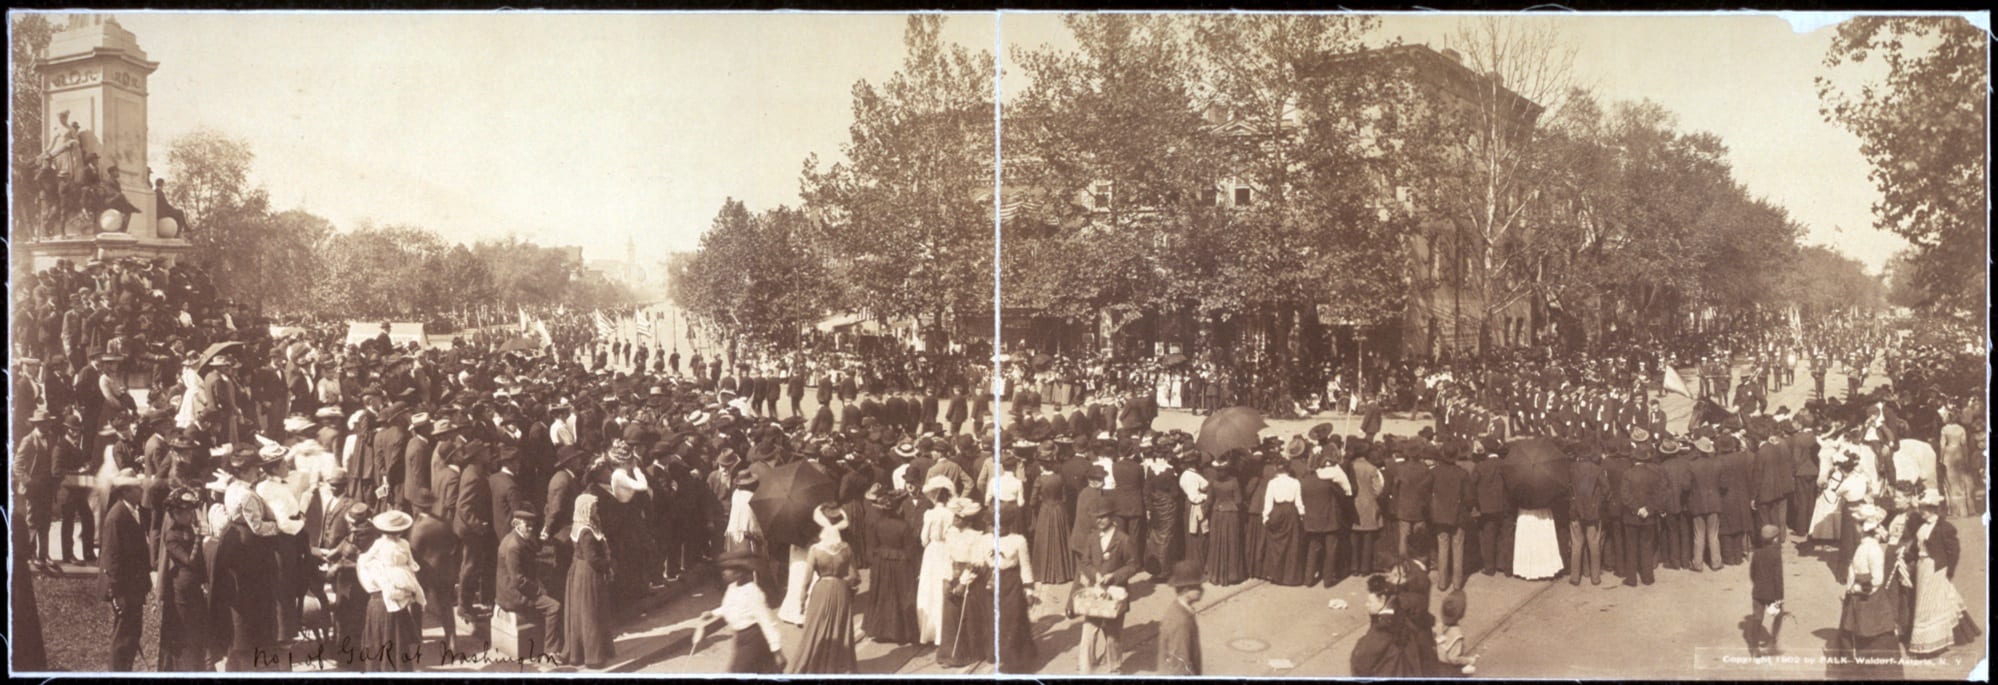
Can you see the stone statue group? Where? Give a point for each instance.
(69, 187)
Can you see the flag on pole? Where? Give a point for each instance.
(645, 327)
(1673, 383)
(541, 328)
(604, 331)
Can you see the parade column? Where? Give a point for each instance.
(96, 73)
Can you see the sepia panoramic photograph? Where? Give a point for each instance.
(999, 345)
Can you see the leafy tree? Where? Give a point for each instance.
(1923, 126)
(1483, 154)
(755, 276)
(211, 173)
(907, 220)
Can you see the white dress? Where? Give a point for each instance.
(796, 584)
(932, 575)
(1536, 552)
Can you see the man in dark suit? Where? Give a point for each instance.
(436, 550)
(958, 410)
(1643, 487)
(1127, 498)
(472, 520)
(1588, 486)
(1771, 468)
(563, 487)
(1108, 560)
(445, 470)
(508, 495)
(389, 448)
(518, 584)
(796, 390)
(416, 465)
(1407, 491)
(1450, 496)
(1322, 490)
(1493, 513)
(895, 412)
(127, 570)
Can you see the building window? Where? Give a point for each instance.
(1210, 196)
(1101, 194)
(1243, 197)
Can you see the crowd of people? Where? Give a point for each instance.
(1634, 493)
(388, 488)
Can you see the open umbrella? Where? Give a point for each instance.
(1228, 429)
(1041, 361)
(1172, 360)
(785, 497)
(215, 349)
(1536, 473)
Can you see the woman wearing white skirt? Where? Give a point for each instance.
(935, 568)
(1536, 552)
(796, 582)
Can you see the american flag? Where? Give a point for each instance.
(645, 327)
(604, 329)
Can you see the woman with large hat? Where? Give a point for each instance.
(1053, 564)
(1227, 560)
(1869, 620)
(827, 643)
(183, 593)
(891, 588)
(932, 578)
(391, 634)
(1940, 619)
(586, 603)
(966, 639)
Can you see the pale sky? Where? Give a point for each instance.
(1747, 78)
(564, 128)
(576, 128)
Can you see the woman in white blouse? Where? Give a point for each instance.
(391, 634)
(1283, 539)
(1870, 619)
(934, 573)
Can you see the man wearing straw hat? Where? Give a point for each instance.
(127, 568)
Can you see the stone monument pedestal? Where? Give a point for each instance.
(105, 246)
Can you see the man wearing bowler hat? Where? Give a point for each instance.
(127, 569)
(1108, 560)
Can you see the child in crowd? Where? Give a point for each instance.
(1765, 574)
(1450, 636)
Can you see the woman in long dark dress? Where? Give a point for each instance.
(1016, 580)
(1050, 529)
(1256, 526)
(827, 643)
(391, 635)
(968, 602)
(586, 619)
(1283, 539)
(891, 586)
(183, 599)
(1225, 543)
(1162, 519)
